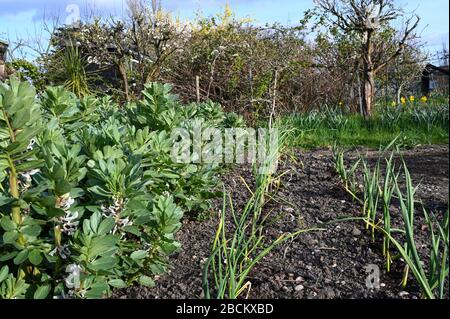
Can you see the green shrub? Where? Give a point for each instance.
(89, 201)
(28, 71)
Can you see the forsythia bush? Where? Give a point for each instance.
(90, 199)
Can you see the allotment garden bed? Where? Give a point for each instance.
(325, 264)
(93, 204)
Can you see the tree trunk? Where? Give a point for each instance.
(368, 86)
(2, 71)
(368, 93)
(197, 87)
(123, 74)
(399, 93)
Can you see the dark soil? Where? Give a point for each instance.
(326, 264)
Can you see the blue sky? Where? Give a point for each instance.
(21, 18)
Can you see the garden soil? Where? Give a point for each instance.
(337, 262)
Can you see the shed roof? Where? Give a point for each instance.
(430, 68)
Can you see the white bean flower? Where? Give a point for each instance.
(63, 251)
(31, 144)
(69, 223)
(65, 202)
(26, 179)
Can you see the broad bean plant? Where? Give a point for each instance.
(90, 199)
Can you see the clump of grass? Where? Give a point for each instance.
(371, 193)
(236, 251)
(348, 176)
(431, 280)
(383, 188)
(75, 71)
(415, 124)
(386, 195)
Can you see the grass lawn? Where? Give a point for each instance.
(413, 127)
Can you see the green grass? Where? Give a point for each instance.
(412, 124)
(238, 249)
(380, 187)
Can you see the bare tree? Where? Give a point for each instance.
(406, 70)
(365, 18)
(36, 43)
(443, 55)
(154, 36)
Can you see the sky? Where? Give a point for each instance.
(23, 18)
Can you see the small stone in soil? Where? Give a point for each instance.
(299, 279)
(356, 232)
(299, 288)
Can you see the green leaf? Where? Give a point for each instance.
(7, 224)
(48, 201)
(35, 257)
(94, 221)
(102, 245)
(62, 187)
(21, 257)
(136, 205)
(42, 291)
(106, 226)
(146, 281)
(31, 230)
(132, 230)
(143, 220)
(58, 173)
(170, 175)
(21, 118)
(16, 147)
(100, 191)
(20, 288)
(29, 165)
(4, 273)
(140, 254)
(170, 248)
(118, 283)
(28, 133)
(8, 256)
(55, 212)
(103, 263)
(97, 291)
(157, 269)
(10, 237)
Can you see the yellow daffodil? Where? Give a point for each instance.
(341, 104)
(412, 99)
(424, 99)
(403, 100)
(393, 104)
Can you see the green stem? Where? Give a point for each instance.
(14, 190)
(12, 135)
(13, 182)
(405, 276)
